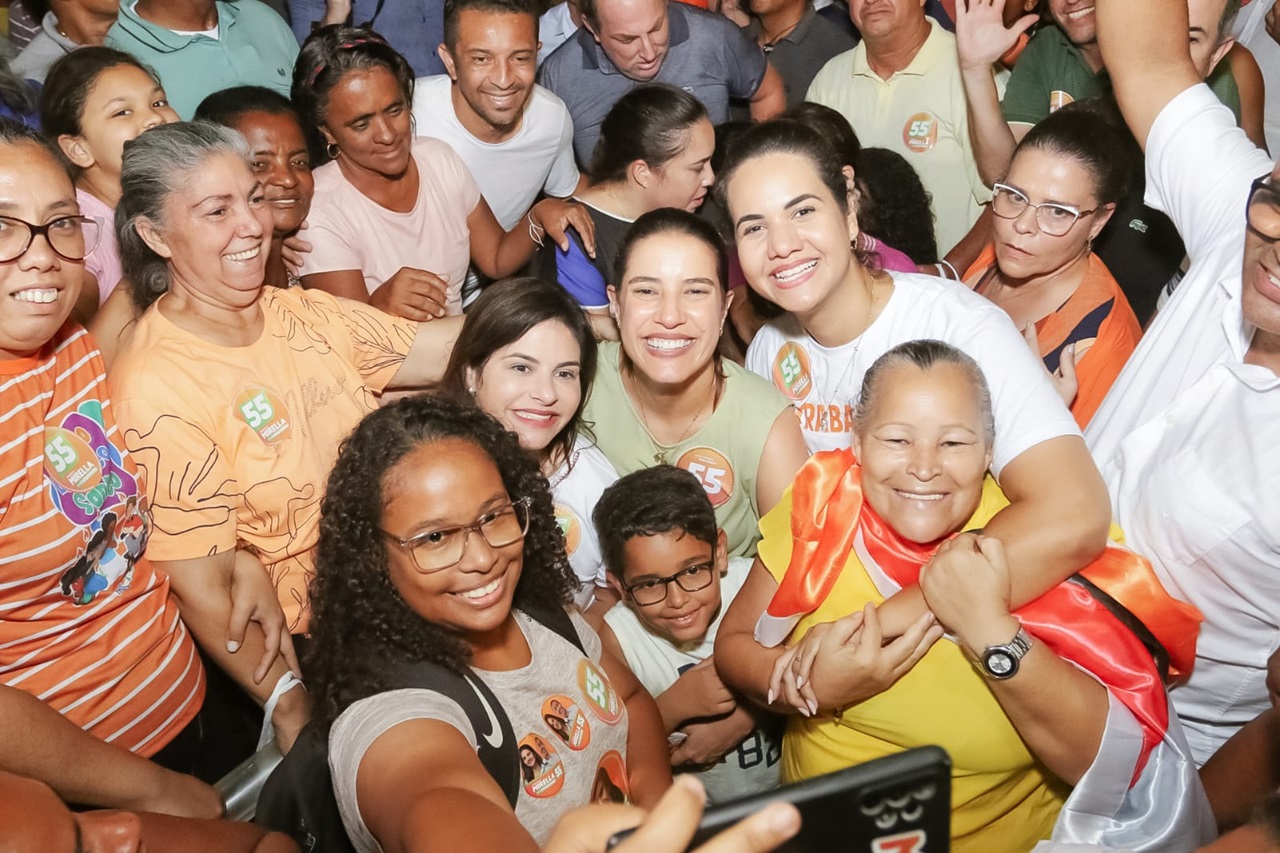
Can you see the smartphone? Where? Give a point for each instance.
(897, 804)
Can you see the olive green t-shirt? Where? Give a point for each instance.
(724, 454)
(1052, 73)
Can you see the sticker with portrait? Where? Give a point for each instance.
(610, 783)
(567, 722)
(541, 769)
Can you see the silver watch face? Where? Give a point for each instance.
(1000, 663)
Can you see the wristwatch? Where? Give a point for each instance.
(1001, 662)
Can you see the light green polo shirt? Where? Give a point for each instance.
(254, 47)
(920, 112)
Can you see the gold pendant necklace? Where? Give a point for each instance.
(661, 450)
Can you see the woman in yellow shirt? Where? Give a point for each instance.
(1028, 702)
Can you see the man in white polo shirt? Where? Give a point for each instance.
(1187, 438)
(515, 136)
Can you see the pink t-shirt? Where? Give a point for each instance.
(350, 231)
(104, 260)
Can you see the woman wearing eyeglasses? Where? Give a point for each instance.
(1061, 189)
(89, 626)
(439, 543)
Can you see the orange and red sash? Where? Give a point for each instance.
(1069, 619)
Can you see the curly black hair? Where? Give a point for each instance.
(895, 207)
(361, 628)
(650, 502)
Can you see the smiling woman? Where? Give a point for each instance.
(527, 357)
(295, 371)
(398, 218)
(664, 395)
(438, 543)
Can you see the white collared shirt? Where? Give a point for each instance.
(1187, 437)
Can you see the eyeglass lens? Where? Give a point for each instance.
(440, 549)
(71, 237)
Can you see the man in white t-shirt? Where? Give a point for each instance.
(668, 560)
(1186, 438)
(515, 136)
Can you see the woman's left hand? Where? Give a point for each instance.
(1064, 378)
(966, 584)
(254, 599)
(558, 215)
(294, 249)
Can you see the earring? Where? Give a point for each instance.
(471, 389)
(332, 150)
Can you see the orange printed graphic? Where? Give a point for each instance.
(712, 470)
(920, 133)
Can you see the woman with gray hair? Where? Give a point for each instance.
(235, 398)
(1032, 703)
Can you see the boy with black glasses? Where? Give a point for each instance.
(668, 559)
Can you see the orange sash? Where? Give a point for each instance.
(827, 512)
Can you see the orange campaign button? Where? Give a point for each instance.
(1059, 99)
(791, 373)
(920, 133)
(69, 460)
(264, 413)
(712, 470)
(570, 528)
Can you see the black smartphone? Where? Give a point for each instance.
(897, 804)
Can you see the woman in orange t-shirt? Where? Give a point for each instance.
(1060, 191)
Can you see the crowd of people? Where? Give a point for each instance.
(554, 420)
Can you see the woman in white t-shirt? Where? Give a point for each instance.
(397, 219)
(527, 356)
(794, 221)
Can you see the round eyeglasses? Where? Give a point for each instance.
(652, 591)
(439, 549)
(1051, 218)
(72, 238)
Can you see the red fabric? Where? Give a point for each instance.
(1067, 619)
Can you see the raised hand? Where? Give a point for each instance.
(981, 36)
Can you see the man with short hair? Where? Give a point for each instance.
(67, 25)
(199, 47)
(1186, 439)
(900, 89)
(624, 43)
(514, 136)
(797, 40)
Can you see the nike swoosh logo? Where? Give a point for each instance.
(493, 737)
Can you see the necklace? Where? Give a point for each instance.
(661, 450)
(768, 44)
(825, 410)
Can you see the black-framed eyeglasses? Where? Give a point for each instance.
(652, 591)
(1052, 218)
(72, 238)
(434, 550)
(1262, 214)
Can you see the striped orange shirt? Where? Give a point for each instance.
(86, 624)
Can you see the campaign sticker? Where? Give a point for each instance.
(540, 767)
(610, 783)
(601, 698)
(791, 374)
(712, 470)
(264, 413)
(570, 527)
(69, 460)
(1059, 99)
(920, 133)
(905, 842)
(567, 722)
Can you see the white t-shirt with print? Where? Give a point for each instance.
(824, 383)
(575, 495)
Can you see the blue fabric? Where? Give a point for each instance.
(413, 27)
(31, 119)
(577, 274)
